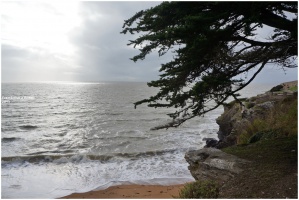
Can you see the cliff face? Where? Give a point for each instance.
(214, 164)
(237, 115)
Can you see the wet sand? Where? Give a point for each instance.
(131, 192)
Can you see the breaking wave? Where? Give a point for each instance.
(76, 158)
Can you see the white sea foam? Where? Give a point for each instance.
(81, 137)
(62, 177)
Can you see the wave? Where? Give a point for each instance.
(52, 158)
(114, 114)
(125, 137)
(9, 139)
(76, 158)
(28, 127)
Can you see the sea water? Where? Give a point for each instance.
(60, 138)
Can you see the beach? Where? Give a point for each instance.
(131, 192)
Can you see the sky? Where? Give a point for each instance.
(81, 41)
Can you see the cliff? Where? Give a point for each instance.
(239, 116)
(257, 148)
(213, 164)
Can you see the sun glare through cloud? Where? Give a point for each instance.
(41, 30)
(40, 26)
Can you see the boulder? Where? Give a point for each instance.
(214, 164)
(210, 142)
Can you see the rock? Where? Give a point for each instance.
(237, 117)
(205, 139)
(210, 142)
(227, 141)
(213, 164)
(227, 121)
(267, 105)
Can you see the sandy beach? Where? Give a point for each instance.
(131, 192)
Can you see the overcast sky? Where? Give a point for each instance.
(80, 41)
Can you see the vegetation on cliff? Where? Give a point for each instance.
(273, 172)
(265, 133)
(261, 117)
(279, 121)
(200, 190)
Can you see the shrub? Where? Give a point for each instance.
(294, 88)
(287, 117)
(263, 135)
(249, 105)
(276, 88)
(199, 190)
(250, 130)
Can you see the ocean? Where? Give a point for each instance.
(60, 138)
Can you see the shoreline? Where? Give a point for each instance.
(135, 191)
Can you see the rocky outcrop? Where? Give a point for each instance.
(227, 121)
(210, 142)
(214, 164)
(238, 115)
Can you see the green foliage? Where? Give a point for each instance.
(287, 117)
(212, 43)
(250, 130)
(249, 105)
(272, 151)
(294, 88)
(281, 121)
(276, 88)
(263, 135)
(200, 190)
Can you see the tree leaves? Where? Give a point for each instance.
(213, 43)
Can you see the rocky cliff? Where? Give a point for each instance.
(239, 115)
(216, 165)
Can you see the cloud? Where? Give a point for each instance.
(43, 41)
(26, 64)
(102, 51)
(79, 42)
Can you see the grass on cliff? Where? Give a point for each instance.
(272, 172)
(294, 88)
(271, 152)
(272, 147)
(281, 121)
